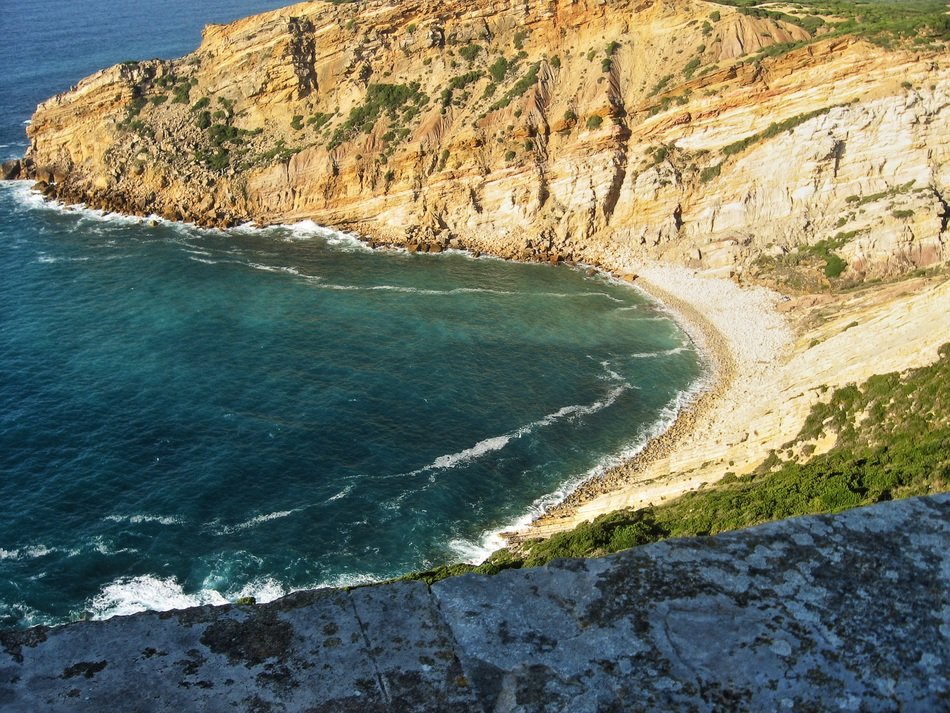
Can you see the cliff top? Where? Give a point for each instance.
(820, 613)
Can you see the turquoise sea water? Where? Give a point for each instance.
(190, 416)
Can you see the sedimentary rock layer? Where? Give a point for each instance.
(542, 130)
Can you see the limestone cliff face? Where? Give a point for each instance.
(568, 129)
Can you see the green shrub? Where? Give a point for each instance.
(774, 129)
(510, 155)
(520, 37)
(691, 67)
(499, 69)
(297, 122)
(200, 104)
(463, 80)
(834, 265)
(594, 122)
(319, 120)
(902, 213)
(519, 88)
(470, 52)
(182, 93)
(661, 85)
(709, 173)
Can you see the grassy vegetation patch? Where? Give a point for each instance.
(661, 85)
(594, 122)
(887, 23)
(388, 99)
(525, 83)
(774, 129)
(709, 173)
(893, 441)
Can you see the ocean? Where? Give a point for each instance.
(189, 416)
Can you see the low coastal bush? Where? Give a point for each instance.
(887, 23)
(470, 52)
(594, 122)
(709, 173)
(892, 441)
(774, 129)
(380, 99)
(498, 70)
(519, 88)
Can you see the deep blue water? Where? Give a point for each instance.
(190, 416)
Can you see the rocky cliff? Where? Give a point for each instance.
(560, 129)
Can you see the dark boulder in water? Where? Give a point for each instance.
(11, 170)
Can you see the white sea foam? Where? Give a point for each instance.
(342, 494)
(496, 443)
(26, 553)
(255, 521)
(307, 229)
(204, 261)
(348, 580)
(147, 593)
(283, 269)
(263, 590)
(130, 595)
(458, 291)
(479, 449)
(104, 547)
(140, 518)
(664, 352)
(31, 200)
(477, 551)
(609, 374)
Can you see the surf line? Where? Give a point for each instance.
(496, 443)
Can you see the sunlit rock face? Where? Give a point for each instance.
(557, 130)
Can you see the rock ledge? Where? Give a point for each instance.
(845, 612)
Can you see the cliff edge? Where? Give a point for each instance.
(830, 613)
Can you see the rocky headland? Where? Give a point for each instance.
(690, 132)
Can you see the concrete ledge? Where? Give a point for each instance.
(845, 612)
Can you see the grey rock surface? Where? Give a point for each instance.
(839, 613)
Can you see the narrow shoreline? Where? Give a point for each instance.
(720, 372)
(741, 337)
